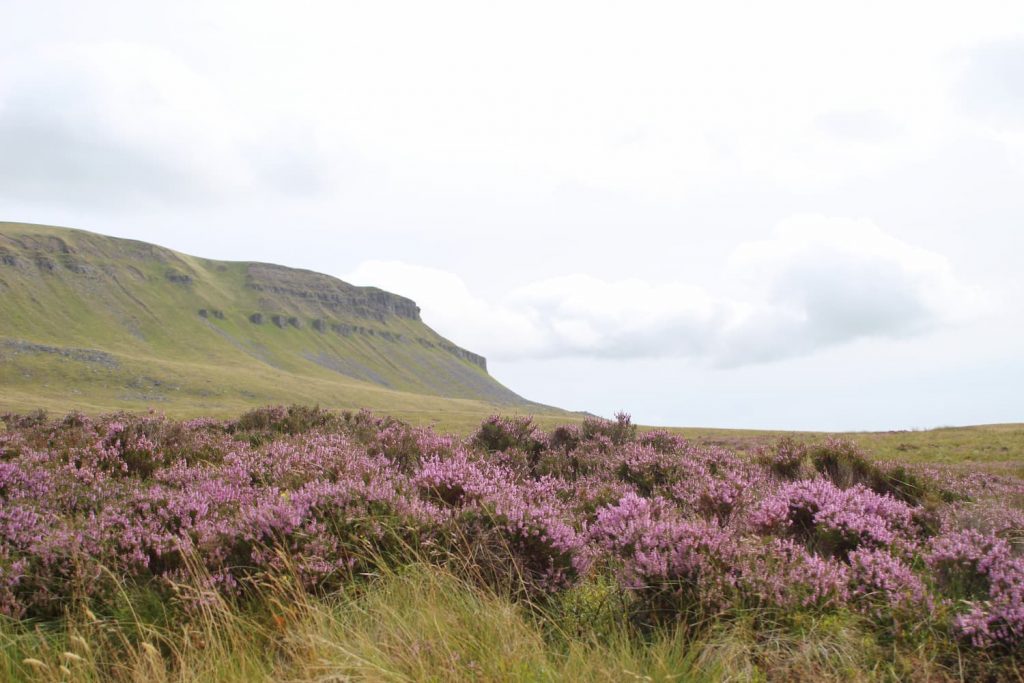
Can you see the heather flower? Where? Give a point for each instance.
(782, 573)
(785, 459)
(982, 568)
(879, 581)
(669, 560)
(836, 521)
(457, 480)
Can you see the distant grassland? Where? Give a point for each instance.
(1000, 444)
(46, 385)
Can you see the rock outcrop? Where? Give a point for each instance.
(328, 293)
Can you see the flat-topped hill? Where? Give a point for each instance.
(99, 323)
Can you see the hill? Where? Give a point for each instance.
(97, 323)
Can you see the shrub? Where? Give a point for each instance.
(618, 431)
(787, 459)
(294, 419)
(504, 433)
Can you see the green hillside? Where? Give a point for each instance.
(96, 323)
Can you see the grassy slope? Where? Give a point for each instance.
(65, 294)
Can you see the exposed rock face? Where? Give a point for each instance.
(82, 355)
(329, 293)
(466, 355)
(80, 267)
(177, 277)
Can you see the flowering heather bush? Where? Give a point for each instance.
(981, 569)
(787, 459)
(834, 521)
(620, 431)
(782, 573)
(674, 563)
(503, 433)
(882, 583)
(88, 504)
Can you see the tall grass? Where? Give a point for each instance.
(422, 622)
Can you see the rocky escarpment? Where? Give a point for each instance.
(94, 312)
(329, 293)
(347, 329)
(85, 246)
(456, 351)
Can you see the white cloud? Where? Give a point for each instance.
(823, 281)
(815, 282)
(449, 307)
(116, 122)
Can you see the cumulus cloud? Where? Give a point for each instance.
(114, 123)
(815, 282)
(450, 307)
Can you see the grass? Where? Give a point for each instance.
(425, 623)
(996, 446)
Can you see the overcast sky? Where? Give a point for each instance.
(763, 214)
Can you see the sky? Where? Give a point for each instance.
(793, 215)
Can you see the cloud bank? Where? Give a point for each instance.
(116, 123)
(815, 282)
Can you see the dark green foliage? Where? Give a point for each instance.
(900, 483)
(786, 459)
(295, 419)
(28, 420)
(505, 433)
(842, 462)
